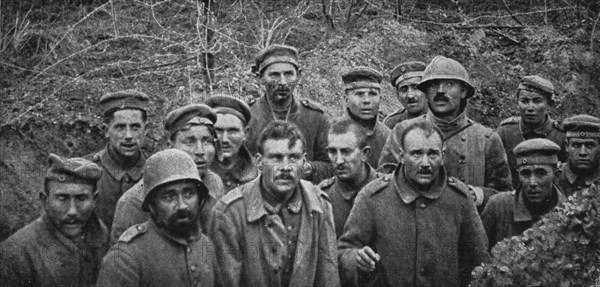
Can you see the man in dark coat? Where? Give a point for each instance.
(405, 78)
(534, 98)
(191, 130)
(583, 146)
(168, 249)
(278, 70)
(362, 87)
(415, 227)
(237, 166)
(474, 153)
(276, 230)
(65, 245)
(510, 213)
(122, 160)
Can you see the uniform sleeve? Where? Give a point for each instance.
(15, 267)
(119, 268)
(488, 217)
(225, 236)
(127, 214)
(327, 265)
(358, 232)
(497, 171)
(322, 168)
(391, 152)
(473, 244)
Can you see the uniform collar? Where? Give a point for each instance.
(408, 194)
(96, 233)
(243, 170)
(294, 204)
(348, 192)
(264, 102)
(457, 123)
(572, 177)
(370, 125)
(255, 204)
(112, 166)
(520, 211)
(543, 130)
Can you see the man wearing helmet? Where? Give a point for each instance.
(474, 153)
(168, 249)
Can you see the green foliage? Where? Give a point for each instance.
(559, 250)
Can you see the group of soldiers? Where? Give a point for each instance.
(268, 193)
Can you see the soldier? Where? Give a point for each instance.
(64, 246)
(583, 146)
(510, 213)
(278, 71)
(405, 77)
(534, 98)
(168, 249)
(362, 86)
(415, 227)
(276, 230)
(191, 130)
(474, 153)
(122, 159)
(237, 166)
(348, 151)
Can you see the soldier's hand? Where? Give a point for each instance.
(476, 193)
(366, 259)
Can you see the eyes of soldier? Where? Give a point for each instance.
(204, 141)
(534, 99)
(171, 195)
(343, 151)
(276, 75)
(67, 197)
(405, 88)
(588, 144)
(122, 127)
(443, 85)
(432, 153)
(537, 172)
(275, 158)
(361, 94)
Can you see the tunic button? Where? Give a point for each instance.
(195, 282)
(194, 267)
(463, 139)
(228, 183)
(189, 250)
(423, 205)
(289, 228)
(126, 179)
(422, 270)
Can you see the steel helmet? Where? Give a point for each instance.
(442, 68)
(168, 166)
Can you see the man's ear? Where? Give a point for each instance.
(105, 129)
(258, 160)
(557, 172)
(364, 152)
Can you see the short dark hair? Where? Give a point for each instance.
(343, 126)
(280, 130)
(428, 127)
(111, 115)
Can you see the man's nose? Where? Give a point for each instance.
(339, 159)
(181, 203)
(128, 133)
(72, 210)
(199, 150)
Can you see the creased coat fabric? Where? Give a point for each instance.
(129, 208)
(423, 240)
(249, 244)
(40, 255)
(570, 183)
(114, 182)
(146, 255)
(313, 124)
(474, 154)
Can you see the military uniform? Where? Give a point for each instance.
(377, 133)
(571, 183)
(392, 119)
(403, 75)
(342, 197)
(474, 153)
(129, 207)
(313, 124)
(147, 255)
(40, 255)
(506, 214)
(512, 131)
(243, 171)
(114, 182)
(423, 240)
(258, 245)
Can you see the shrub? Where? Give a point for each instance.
(559, 250)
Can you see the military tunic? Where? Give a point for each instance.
(252, 243)
(342, 197)
(244, 170)
(432, 239)
(398, 116)
(474, 153)
(377, 133)
(129, 207)
(147, 255)
(40, 255)
(313, 124)
(506, 215)
(570, 183)
(512, 131)
(114, 182)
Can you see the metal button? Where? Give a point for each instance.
(228, 183)
(126, 179)
(62, 177)
(422, 270)
(189, 250)
(289, 228)
(194, 267)
(422, 205)
(463, 139)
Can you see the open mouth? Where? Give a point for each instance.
(129, 145)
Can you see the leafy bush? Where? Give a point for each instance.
(560, 250)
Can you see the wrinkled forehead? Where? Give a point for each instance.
(417, 139)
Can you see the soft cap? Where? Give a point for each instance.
(123, 100)
(230, 105)
(536, 151)
(72, 170)
(275, 54)
(582, 126)
(361, 77)
(405, 71)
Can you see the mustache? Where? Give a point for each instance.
(287, 176)
(425, 170)
(73, 220)
(441, 97)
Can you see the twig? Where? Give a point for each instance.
(593, 31)
(511, 13)
(489, 27)
(511, 39)
(114, 16)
